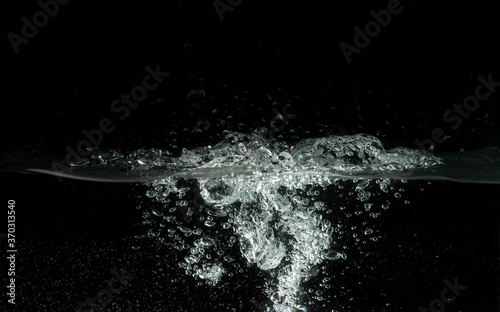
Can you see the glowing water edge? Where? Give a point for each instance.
(278, 218)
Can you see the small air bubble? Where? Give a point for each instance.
(157, 213)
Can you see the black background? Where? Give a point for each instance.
(426, 59)
(397, 88)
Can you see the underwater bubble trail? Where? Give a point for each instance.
(276, 218)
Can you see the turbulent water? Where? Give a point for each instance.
(275, 212)
(266, 197)
(350, 157)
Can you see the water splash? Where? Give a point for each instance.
(275, 213)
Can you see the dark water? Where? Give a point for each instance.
(73, 233)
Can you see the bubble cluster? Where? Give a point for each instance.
(278, 216)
